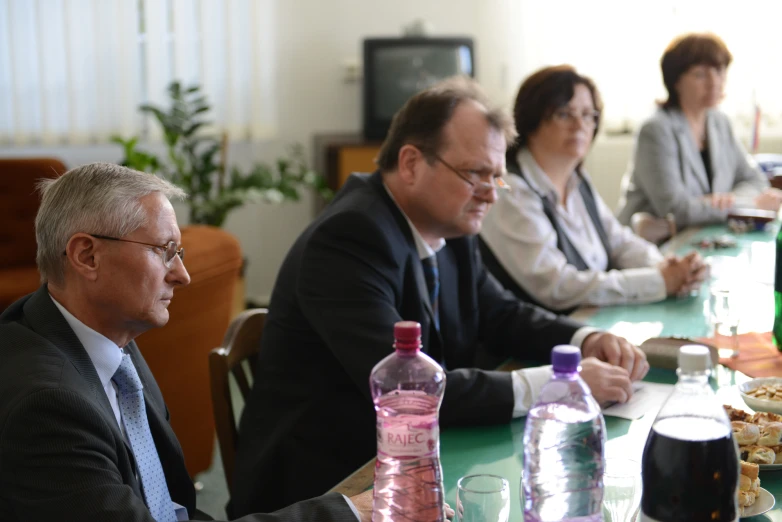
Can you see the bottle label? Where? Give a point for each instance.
(404, 440)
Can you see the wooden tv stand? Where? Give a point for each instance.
(337, 156)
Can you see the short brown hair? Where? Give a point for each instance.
(687, 51)
(542, 93)
(421, 120)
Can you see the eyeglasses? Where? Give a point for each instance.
(589, 118)
(168, 251)
(474, 179)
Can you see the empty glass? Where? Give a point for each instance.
(482, 498)
(724, 317)
(621, 490)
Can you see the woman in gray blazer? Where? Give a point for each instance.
(687, 162)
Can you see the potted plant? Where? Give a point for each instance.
(196, 162)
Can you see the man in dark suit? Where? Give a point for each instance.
(84, 432)
(359, 268)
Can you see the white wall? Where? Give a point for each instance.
(314, 39)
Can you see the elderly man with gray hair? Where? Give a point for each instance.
(84, 432)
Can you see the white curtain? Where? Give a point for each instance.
(619, 43)
(75, 71)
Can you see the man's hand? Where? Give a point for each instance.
(363, 503)
(769, 199)
(608, 383)
(722, 201)
(616, 351)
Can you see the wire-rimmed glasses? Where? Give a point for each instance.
(167, 251)
(474, 179)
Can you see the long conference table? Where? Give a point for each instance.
(747, 269)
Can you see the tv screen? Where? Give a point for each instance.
(397, 68)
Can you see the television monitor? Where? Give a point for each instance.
(397, 68)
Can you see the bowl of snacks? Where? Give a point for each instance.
(763, 394)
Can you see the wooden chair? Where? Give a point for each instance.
(241, 344)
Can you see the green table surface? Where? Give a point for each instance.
(747, 269)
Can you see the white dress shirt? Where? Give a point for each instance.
(527, 382)
(522, 238)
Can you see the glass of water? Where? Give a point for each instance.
(724, 316)
(482, 498)
(622, 490)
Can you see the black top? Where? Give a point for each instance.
(707, 164)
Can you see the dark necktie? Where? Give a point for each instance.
(432, 276)
(134, 416)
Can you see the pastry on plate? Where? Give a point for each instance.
(763, 417)
(735, 414)
(770, 434)
(747, 434)
(757, 454)
(749, 484)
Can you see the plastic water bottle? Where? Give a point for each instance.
(564, 440)
(407, 388)
(690, 463)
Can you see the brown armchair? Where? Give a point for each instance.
(19, 203)
(178, 353)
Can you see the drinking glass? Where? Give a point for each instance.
(482, 498)
(621, 489)
(724, 316)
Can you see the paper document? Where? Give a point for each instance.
(647, 397)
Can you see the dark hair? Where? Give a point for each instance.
(542, 93)
(421, 120)
(687, 51)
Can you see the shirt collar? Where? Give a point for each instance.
(105, 355)
(538, 178)
(423, 248)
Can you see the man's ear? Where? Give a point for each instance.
(83, 255)
(409, 163)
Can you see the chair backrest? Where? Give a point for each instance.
(241, 344)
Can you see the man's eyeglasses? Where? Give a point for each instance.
(476, 180)
(167, 251)
(589, 118)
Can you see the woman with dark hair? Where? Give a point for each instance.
(687, 162)
(551, 238)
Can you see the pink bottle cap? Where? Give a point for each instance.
(407, 335)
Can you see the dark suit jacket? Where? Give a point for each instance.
(62, 454)
(351, 275)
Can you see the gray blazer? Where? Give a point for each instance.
(667, 174)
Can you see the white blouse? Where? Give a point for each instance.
(522, 238)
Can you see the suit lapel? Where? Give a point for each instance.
(718, 171)
(376, 180)
(46, 320)
(691, 152)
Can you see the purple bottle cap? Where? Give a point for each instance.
(407, 335)
(565, 358)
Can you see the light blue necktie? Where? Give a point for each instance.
(134, 416)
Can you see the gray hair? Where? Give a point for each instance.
(98, 198)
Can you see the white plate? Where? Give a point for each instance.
(760, 404)
(763, 503)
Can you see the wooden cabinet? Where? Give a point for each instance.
(337, 156)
